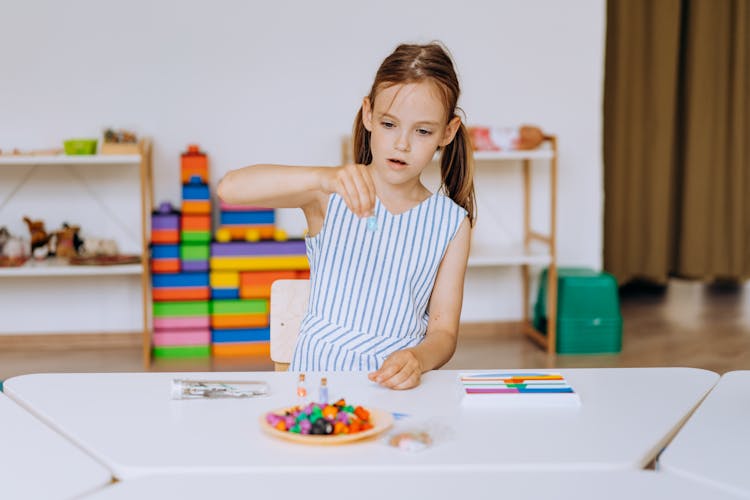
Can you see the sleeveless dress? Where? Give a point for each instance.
(369, 290)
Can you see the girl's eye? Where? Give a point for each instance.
(387, 124)
(424, 131)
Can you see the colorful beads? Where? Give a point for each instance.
(322, 419)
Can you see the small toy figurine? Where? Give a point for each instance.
(66, 241)
(39, 238)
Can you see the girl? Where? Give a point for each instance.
(387, 257)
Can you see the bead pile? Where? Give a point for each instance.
(322, 419)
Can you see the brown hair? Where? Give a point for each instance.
(419, 63)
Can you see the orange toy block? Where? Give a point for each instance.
(196, 207)
(196, 222)
(165, 236)
(240, 233)
(258, 284)
(180, 294)
(165, 265)
(239, 320)
(241, 349)
(194, 163)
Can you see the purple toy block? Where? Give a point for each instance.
(159, 221)
(194, 265)
(243, 249)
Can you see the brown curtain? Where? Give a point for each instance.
(677, 139)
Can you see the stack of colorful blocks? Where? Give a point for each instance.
(241, 276)
(181, 292)
(224, 311)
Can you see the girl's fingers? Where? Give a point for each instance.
(366, 199)
(348, 192)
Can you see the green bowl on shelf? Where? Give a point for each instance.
(80, 146)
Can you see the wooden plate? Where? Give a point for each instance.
(381, 421)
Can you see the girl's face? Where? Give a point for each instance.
(407, 124)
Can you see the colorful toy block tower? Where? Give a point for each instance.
(180, 281)
(241, 276)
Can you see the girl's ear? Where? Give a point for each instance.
(367, 114)
(450, 131)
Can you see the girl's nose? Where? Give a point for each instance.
(402, 143)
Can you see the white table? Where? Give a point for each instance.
(452, 485)
(129, 422)
(36, 462)
(714, 445)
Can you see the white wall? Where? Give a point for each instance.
(281, 81)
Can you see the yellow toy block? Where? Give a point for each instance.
(272, 263)
(280, 235)
(223, 235)
(225, 279)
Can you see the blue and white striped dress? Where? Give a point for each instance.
(369, 290)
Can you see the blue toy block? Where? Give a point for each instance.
(195, 192)
(240, 335)
(165, 251)
(176, 280)
(245, 218)
(225, 293)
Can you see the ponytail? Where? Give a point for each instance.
(457, 172)
(361, 141)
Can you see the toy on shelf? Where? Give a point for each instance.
(39, 238)
(119, 142)
(505, 138)
(67, 242)
(14, 251)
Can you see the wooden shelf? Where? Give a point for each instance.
(56, 267)
(534, 154)
(513, 255)
(71, 160)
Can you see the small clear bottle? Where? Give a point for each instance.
(323, 391)
(301, 390)
(196, 389)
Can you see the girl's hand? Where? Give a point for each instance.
(400, 370)
(353, 182)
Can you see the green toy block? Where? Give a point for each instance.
(179, 309)
(239, 306)
(195, 252)
(195, 236)
(588, 311)
(182, 351)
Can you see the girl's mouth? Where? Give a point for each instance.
(395, 162)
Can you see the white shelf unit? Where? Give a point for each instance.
(535, 249)
(51, 268)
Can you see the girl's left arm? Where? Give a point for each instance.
(403, 369)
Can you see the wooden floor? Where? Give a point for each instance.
(684, 324)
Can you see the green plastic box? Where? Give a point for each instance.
(588, 311)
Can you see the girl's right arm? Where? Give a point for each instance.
(280, 186)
